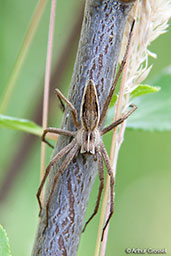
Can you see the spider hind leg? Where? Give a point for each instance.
(73, 150)
(112, 182)
(101, 177)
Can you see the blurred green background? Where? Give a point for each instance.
(143, 181)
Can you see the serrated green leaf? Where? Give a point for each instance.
(20, 124)
(4, 243)
(154, 110)
(144, 89)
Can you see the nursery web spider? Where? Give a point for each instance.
(87, 139)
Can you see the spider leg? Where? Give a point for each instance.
(61, 170)
(61, 104)
(72, 108)
(119, 121)
(57, 131)
(54, 160)
(101, 177)
(109, 97)
(112, 181)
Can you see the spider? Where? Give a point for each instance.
(87, 139)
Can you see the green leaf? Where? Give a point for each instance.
(113, 101)
(4, 243)
(20, 124)
(154, 110)
(144, 89)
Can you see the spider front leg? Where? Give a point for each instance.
(61, 104)
(119, 121)
(73, 150)
(61, 131)
(71, 107)
(101, 177)
(56, 131)
(112, 181)
(54, 160)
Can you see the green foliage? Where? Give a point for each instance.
(142, 208)
(153, 111)
(4, 243)
(144, 89)
(20, 124)
(113, 101)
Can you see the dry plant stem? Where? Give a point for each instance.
(47, 86)
(52, 137)
(105, 130)
(97, 57)
(22, 54)
(117, 140)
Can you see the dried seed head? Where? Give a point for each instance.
(151, 20)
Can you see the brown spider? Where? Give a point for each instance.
(87, 139)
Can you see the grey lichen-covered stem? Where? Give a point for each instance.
(97, 57)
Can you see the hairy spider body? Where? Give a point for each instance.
(87, 139)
